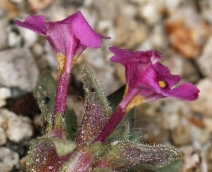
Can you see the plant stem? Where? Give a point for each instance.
(112, 123)
(61, 94)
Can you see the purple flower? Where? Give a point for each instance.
(68, 38)
(147, 79)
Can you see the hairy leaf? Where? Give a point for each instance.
(124, 155)
(45, 94)
(172, 167)
(70, 124)
(102, 170)
(48, 154)
(97, 110)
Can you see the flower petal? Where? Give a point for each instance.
(61, 38)
(83, 31)
(123, 56)
(163, 74)
(186, 91)
(34, 23)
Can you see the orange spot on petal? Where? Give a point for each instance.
(162, 84)
(134, 102)
(61, 63)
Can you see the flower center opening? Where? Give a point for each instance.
(162, 84)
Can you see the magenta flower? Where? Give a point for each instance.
(146, 80)
(68, 38)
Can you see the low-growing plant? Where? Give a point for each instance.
(105, 140)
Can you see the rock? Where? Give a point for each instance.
(204, 61)
(25, 162)
(128, 10)
(156, 40)
(190, 72)
(37, 49)
(3, 33)
(29, 37)
(9, 8)
(175, 63)
(4, 115)
(149, 9)
(2, 103)
(181, 134)
(38, 122)
(203, 104)
(36, 5)
(120, 73)
(208, 123)
(206, 7)
(149, 121)
(17, 1)
(50, 58)
(181, 66)
(18, 69)
(187, 31)
(14, 38)
(95, 58)
(19, 127)
(190, 158)
(129, 33)
(16, 127)
(3, 137)
(5, 93)
(9, 159)
(171, 5)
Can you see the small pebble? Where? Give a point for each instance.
(9, 159)
(19, 127)
(16, 127)
(203, 104)
(5, 93)
(3, 137)
(187, 31)
(18, 69)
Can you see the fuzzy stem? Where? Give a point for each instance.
(61, 94)
(112, 123)
(64, 72)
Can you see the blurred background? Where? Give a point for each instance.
(180, 30)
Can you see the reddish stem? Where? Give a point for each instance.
(61, 94)
(112, 123)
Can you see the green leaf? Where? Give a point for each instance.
(48, 153)
(116, 97)
(70, 124)
(124, 155)
(122, 133)
(172, 167)
(144, 168)
(102, 170)
(63, 147)
(97, 111)
(136, 134)
(45, 94)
